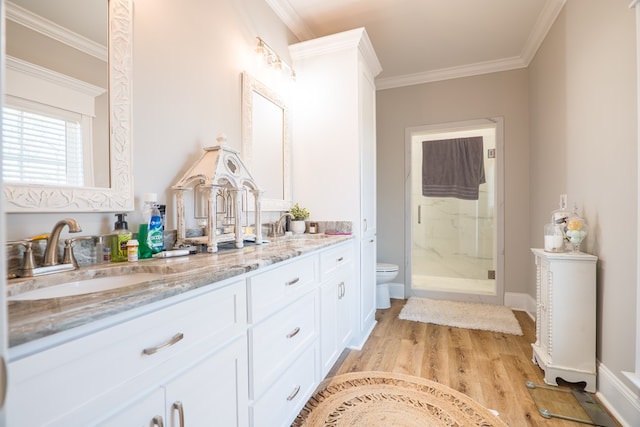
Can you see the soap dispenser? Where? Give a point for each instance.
(122, 236)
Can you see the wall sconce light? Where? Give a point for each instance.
(272, 59)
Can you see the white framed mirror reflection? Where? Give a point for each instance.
(266, 136)
(105, 185)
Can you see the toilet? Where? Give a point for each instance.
(384, 274)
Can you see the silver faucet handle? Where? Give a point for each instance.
(28, 260)
(68, 256)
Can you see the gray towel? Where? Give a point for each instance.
(452, 168)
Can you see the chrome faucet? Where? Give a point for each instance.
(279, 229)
(51, 252)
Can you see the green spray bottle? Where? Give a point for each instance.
(150, 230)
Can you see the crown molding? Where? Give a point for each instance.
(634, 3)
(291, 19)
(451, 73)
(52, 30)
(547, 17)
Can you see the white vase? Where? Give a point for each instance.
(298, 227)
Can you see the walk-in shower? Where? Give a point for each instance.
(453, 237)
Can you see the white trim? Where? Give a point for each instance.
(634, 3)
(119, 196)
(496, 123)
(29, 81)
(619, 399)
(356, 38)
(479, 68)
(291, 19)
(54, 31)
(637, 355)
(547, 17)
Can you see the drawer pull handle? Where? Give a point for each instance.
(177, 406)
(157, 421)
(293, 333)
(294, 393)
(340, 259)
(292, 282)
(174, 339)
(341, 290)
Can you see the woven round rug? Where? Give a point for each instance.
(391, 400)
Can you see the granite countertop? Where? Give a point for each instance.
(34, 319)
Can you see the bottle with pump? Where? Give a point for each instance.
(122, 236)
(150, 231)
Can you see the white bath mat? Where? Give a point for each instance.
(487, 317)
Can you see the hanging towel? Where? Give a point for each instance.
(452, 168)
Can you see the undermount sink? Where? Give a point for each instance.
(86, 286)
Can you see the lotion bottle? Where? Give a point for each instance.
(122, 236)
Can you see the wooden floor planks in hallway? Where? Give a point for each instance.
(490, 367)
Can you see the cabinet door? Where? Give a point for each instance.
(367, 285)
(140, 413)
(329, 294)
(213, 392)
(367, 116)
(344, 311)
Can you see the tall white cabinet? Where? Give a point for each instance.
(334, 149)
(565, 344)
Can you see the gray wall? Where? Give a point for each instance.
(570, 127)
(582, 89)
(498, 94)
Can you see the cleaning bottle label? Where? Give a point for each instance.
(155, 235)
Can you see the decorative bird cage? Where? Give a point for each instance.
(220, 179)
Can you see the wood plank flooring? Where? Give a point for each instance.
(489, 367)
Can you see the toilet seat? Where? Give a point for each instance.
(386, 268)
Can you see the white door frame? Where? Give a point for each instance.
(498, 123)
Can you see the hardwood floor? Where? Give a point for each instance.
(489, 367)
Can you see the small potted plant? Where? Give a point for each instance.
(298, 225)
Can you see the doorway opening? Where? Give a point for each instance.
(454, 241)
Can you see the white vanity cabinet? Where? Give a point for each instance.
(565, 344)
(193, 351)
(336, 289)
(335, 169)
(206, 393)
(283, 340)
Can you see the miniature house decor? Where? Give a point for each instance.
(222, 179)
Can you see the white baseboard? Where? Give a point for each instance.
(521, 302)
(619, 399)
(359, 344)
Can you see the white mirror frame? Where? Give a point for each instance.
(251, 85)
(119, 197)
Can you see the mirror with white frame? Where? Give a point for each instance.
(265, 142)
(114, 190)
